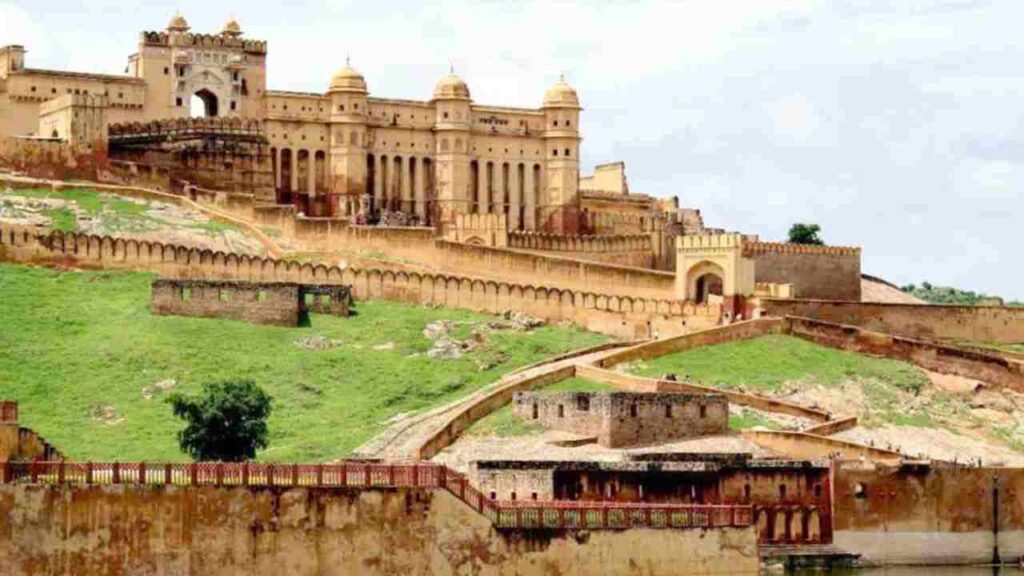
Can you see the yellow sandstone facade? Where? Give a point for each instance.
(342, 153)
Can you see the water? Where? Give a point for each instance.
(918, 571)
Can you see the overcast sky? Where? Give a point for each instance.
(895, 128)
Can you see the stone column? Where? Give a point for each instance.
(419, 196)
(378, 184)
(483, 197)
(311, 173)
(515, 199)
(531, 198)
(406, 184)
(294, 176)
(277, 169)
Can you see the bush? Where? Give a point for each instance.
(805, 234)
(227, 423)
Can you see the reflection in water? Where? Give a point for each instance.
(920, 571)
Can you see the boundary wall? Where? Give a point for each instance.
(403, 524)
(624, 317)
(926, 321)
(18, 443)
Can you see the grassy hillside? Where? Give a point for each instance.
(777, 362)
(91, 366)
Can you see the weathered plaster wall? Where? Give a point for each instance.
(916, 515)
(208, 531)
(20, 443)
(929, 321)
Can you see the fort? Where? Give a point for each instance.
(353, 198)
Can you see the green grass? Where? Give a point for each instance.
(749, 419)
(117, 213)
(579, 385)
(765, 363)
(75, 341)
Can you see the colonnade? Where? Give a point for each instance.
(401, 184)
(512, 189)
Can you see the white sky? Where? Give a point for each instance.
(898, 129)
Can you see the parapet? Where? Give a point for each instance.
(204, 41)
(755, 248)
(183, 128)
(711, 241)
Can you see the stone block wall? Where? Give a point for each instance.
(269, 303)
(822, 272)
(622, 419)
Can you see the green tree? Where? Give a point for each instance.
(805, 234)
(227, 423)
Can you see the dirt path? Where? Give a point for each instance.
(404, 438)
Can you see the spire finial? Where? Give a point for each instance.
(348, 59)
(451, 68)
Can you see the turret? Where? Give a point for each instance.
(348, 95)
(560, 204)
(453, 109)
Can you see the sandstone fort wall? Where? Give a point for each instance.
(634, 250)
(626, 317)
(927, 321)
(823, 272)
(267, 531)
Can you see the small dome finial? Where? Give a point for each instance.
(178, 23)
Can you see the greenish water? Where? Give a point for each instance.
(919, 571)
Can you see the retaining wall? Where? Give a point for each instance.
(927, 321)
(633, 250)
(299, 531)
(929, 515)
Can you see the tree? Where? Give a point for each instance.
(805, 234)
(227, 423)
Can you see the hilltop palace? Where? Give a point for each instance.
(350, 157)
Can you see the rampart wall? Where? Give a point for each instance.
(18, 443)
(628, 317)
(825, 272)
(926, 321)
(634, 250)
(310, 531)
(52, 158)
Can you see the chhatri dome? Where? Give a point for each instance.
(561, 95)
(178, 23)
(451, 87)
(348, 80)
(232, 28)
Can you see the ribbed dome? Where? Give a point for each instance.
(348, 80)
(178, 23)
(232, 28)
(561, 95)
(451, 87)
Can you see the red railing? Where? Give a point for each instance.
(8, 412)
(529, 514)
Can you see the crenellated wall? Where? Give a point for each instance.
(622, 316)
(633, 250)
